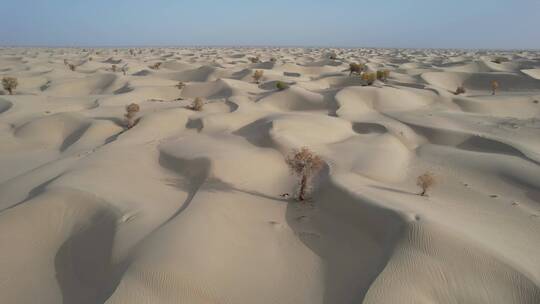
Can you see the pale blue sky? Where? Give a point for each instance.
(511, 24)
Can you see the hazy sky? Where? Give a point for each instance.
(508, 24)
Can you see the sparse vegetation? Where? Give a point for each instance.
(10, 84)
(304, 164)
(494, 87)
(66, 62)
(369, 78)
(460, 90)
(257, 75)
(131, 111)
(383, 75)
(332, 56)
(113, 67)
(180, 85)
(280, 85)
(155, 66)
(256, 59)
(425, 181)
(356, 68)
(71, 66)
(499, 60)
(197, 104)
(124, 69)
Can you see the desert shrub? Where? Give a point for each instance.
(131, 111)
(10, 84)
(356, 68)
(304, 164)
(71, 66)
(494, 86)
(425, 181)
(280, 85)
(155, 66)
(113, 67)
(90, 58)
(180, 85)
(197, 104)
(460, 90)
(273, 59)
(66, 62)
(332, 56)
(124, 69)
(383, 75)
(257, 75)
(256, 59)
(499, 60)
(369, 78)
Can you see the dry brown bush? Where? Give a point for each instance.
(356, 68)
(460, 90)
(494, 86)
(197, 104)
(257, 75)
(180, 85)
(425, 181)
(131, 111)
(155, 66)
(10, 84)
(304, 164)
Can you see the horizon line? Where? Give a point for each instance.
(75, 46)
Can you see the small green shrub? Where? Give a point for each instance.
(383, 75)
(280, 85)
(369, 78)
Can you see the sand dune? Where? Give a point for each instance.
(198, 206)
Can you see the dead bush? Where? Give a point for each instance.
(304, 164)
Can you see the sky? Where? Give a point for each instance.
(473, 24)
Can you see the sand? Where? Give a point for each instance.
(187, 206)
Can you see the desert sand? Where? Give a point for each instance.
(188, 207)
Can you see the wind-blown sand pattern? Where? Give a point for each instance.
(185, 207)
